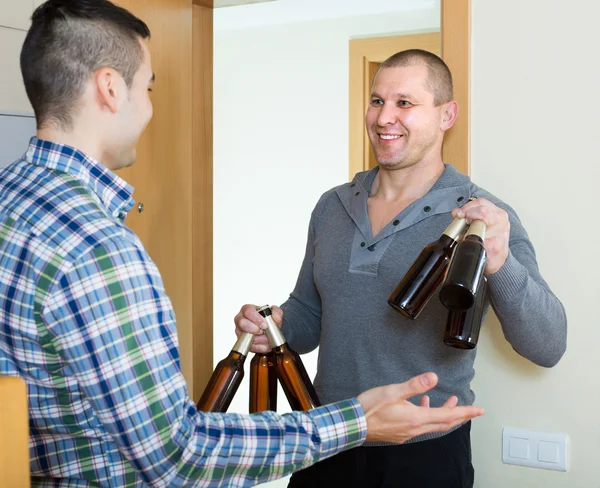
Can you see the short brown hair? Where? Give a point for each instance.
(439, 80)
(68, 41)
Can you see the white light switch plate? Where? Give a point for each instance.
(534, 449)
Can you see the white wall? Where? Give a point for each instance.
(280, 120)
(14, 22)
(535, 122)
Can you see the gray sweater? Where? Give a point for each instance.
(340, 299)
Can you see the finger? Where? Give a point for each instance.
(260, 339)
(249, 312)
(417, 385)
(451, 402)
(460, 212)
(246, 325)
(471, 203)
(425, 401)
(260, 348)
(479, 213)
(277, 314)
(450, 417)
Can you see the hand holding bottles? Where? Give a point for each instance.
(391, 418)
(497, 230)
(273, 360)
(249, 320)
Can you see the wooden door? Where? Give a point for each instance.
(172, 175)
(14, 433)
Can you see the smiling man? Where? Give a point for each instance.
(363, 237)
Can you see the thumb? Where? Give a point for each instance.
(277, 315)
(418, 385)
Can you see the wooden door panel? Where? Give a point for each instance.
(170, 174)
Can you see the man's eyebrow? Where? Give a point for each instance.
(396, 95)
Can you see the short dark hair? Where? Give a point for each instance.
(68, 41)
(439, 79)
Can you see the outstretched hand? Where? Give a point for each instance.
(392, 418)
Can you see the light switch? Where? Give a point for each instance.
(519, 448)
(534, 449)
(548, 452)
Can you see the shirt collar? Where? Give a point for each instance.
(452, 189)
(114, 192)
(449, 178)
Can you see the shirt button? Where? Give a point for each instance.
(427, 208)
(371, 247)
(396, 222)
(357, 193)
(460, 199)
(362, 244)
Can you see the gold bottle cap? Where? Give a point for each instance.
(273, 331)
(456, 228)
(477, 228)
(244, 343)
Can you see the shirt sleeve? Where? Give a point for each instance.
(109, 320)
(302, 310)
(533, 319)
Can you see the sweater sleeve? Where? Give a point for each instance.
(302, 310)
(532, 317)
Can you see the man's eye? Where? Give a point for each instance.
(404, 103)
(376, 102)
(149, 89)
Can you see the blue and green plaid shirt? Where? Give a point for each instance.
(85, 320)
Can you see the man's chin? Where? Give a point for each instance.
(126, 164)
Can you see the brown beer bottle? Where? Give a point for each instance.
(427, 272)
(462, 326)
(292, 375)
(465, 270)
(263, 383)
(226, 377)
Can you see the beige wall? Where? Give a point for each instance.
(14, 22)
(535, 109)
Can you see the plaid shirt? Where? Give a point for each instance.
(85, 320)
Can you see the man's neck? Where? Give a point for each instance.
(75, 139)
(406, 184)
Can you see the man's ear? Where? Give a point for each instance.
(109, 85)
(449, 115)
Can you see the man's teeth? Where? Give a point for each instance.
(387, 137)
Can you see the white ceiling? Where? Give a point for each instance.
(249, 14)
(233, 3)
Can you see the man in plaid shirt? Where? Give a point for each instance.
(84, 317)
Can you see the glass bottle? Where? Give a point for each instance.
(263, 383)
(292, 375)
(226, 377)
(426, 273)
(462, 326)
(465, 270)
